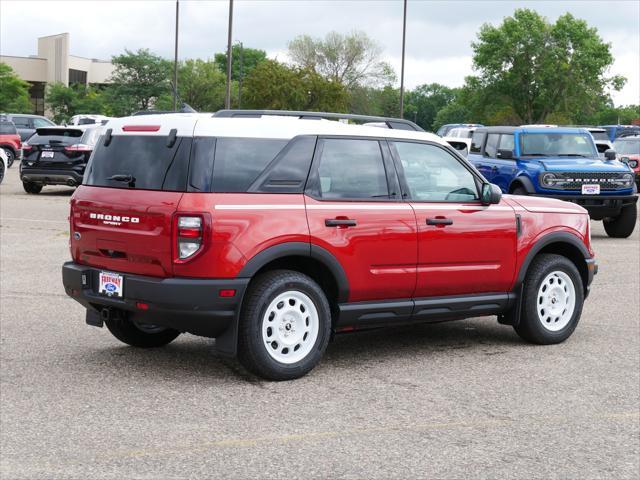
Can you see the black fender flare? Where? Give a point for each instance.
(526, 183)
(299, 249)
(555, 237)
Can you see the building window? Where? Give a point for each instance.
(36, 95)
(77, 76)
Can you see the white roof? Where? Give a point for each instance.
(204, 125)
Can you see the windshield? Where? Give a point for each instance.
(627, 146)
(551, 144)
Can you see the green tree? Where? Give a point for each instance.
(251, 57)
(139, 79)
(423, 103)
(14, 92)
(353, 59)
(65, 102)
(541, 68)
(273, 85)
(454, 112)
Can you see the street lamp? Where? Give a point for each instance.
(227, 98)
(404, 32)
(175, 62)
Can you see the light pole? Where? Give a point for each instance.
(404, 33)
(240, 77)
(175, 62)
(227, 98)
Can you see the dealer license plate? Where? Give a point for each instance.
(111, 284)
(47, 154)
(591, 189)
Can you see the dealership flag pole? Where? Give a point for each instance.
(227, 99)
(175, 62)
(404, 32)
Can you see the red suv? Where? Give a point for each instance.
(270, 234)
(10, 141)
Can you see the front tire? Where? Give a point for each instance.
(623, 225)
(10, 156)
(552, 303)
(519, 191)
(285, 325)
(32, 188)
(140, 335)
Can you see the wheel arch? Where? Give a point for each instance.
(524, 182)
(560, 243)
(8, 146)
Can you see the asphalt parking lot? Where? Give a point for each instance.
(466, 399)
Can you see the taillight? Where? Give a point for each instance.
(189, 234)
(78, 147)
(26, 147)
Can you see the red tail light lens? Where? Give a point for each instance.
(26, 147)
(189, 236)
(78, 147)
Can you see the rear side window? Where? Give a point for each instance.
(476, 142)
(21, 122)
(86, 121)
(7, 128)
(50, 136)
(352, 169)
(239, 161)
(146, 160)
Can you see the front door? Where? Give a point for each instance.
(463, 246)
(354, 210)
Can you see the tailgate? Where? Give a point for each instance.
(123, 230)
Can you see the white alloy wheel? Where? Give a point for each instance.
(290, 327)
(556, 301)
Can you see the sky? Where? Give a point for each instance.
(438, 44)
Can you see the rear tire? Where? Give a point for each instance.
(285, 325)
(142, 336)
(10, 156)
(1, 171)
(623, 225)
(553, 297)
(32, 188)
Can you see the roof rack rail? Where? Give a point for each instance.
(393, 123)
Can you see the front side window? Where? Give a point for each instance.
(41, 122)
(434, 175)
(352, 169)
(476, 142)
(550, 144)
(507, 142)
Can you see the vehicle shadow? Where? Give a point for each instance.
(190, 358)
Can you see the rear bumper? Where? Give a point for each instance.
(46, 176)
(185, 304)
(598, 206)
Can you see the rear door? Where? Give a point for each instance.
(463, 246)
(355, 211)
(122, 215)
(486, 164)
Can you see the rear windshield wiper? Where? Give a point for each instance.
(123, 177)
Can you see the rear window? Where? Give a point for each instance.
(44, 136)
(86, 121)
(7, 128)
(146, 160)
(600, 136)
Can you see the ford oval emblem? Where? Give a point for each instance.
(77, 236)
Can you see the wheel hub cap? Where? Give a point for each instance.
(556, 301)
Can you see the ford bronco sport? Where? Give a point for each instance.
(560, 163)
(270, 234)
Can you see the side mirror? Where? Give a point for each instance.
(610, 154)
(491, 194)
(504, 154)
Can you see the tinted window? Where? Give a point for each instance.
(352, 169)
(401, 126)
(476, 142)
(433, 174)
(21, 122)
(147, 159)
(507, 142)
(7, 128)
(86, 121)
(557, 144)
(201, 167)
(41, 122)
(491, 147)
(600, 136)
(289, 170)
(239, 161)
(44, 136)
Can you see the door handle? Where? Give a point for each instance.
(439, 221)
(494, 168)
(340, 222)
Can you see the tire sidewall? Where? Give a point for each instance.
(304, 285)
(534, 325)
(10, 156)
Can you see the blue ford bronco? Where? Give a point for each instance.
(560, 163)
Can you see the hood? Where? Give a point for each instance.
(577, 164)
(545, 205)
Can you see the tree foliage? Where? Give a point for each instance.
(543, 68)
(273, 85)
(250, 57)
(139, 79)
(14, 92)
(201, 84)
(65, 102)
(353, 59)
(424, 102)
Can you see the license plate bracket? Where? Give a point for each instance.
(111, 284)
(47, 154)
(591, 189)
